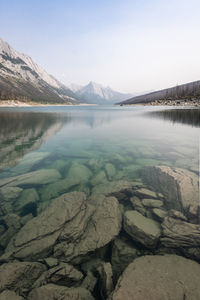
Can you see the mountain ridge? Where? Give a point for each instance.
(22, 79)
(188, 93)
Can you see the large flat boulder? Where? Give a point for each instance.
(102, 228)
(159, 277)
(180, 188)
(37, 237)
(142, 229)
(52, 292)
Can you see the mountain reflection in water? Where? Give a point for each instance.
(183, 116)
(21, 133)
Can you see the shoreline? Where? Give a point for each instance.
(16, 103)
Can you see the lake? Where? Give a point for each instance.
(97, 186)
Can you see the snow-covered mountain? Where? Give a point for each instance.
(22, 78)
(98, 94)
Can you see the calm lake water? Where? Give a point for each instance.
(80, 149)
(129, 138)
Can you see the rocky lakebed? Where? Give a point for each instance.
(91, 235)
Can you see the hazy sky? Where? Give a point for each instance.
(130, 45)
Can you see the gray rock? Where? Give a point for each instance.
(28, 197)
(160, 214)
(106, 282)
(112, 188)
(99, 178)
(143, 192)
(176, 215)
(37, 237)
(95, 164)
(180, 188)
(142, 229)
(51, 261)
(159, 277)
(12, 224)
(52, 292)
(103, 227)
(63, 274)
(10, 295)
(89, 282)
(40, 177)
(138, 205)
(18, 276)
(110, 170)
(10, 192)
(123, 253)
(177, 233)
(77, 174)
(152, 203)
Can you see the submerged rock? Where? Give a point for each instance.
(160, 214)
(123, 253)
(63, 274)
(10, 192)
(40, 177)
(142, 229)
(178, 233)
(52, 292)
(38, 235)
(77, 174)
(27, 201)
(103, 226)
(159, 277)
(111, 188)
(12, 224)
(152, 203)
(180, 188)
(9, 295)
(99, 178)
(110, 170)
(143, 192)
(18, 276)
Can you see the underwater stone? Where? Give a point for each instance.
(19, 275)
(52, 292)
(142, 229)
(159, 277)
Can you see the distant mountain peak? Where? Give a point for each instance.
(96, 93)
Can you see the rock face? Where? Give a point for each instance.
(159, 277)
(178, 233)
(52, 292)
(142, 229)
(102, 228)
(180, 188)
(19, 275)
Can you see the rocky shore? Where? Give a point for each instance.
(194, 102)
(124, 240)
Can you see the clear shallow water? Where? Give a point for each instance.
(125, 137)
(86, 147)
